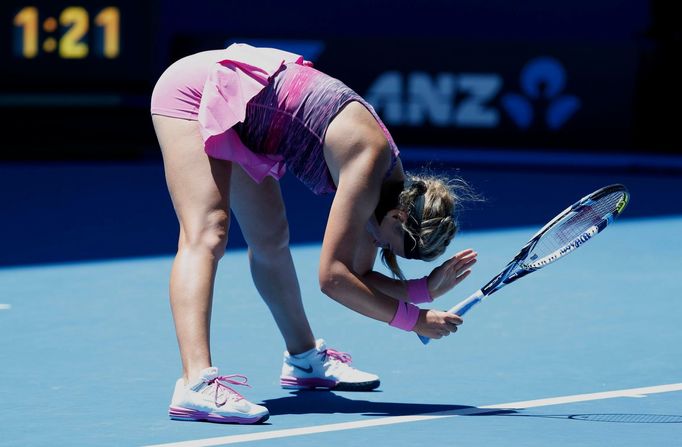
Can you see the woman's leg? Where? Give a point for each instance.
(199, 188)
(259, 208)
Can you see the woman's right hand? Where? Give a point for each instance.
(436, 324)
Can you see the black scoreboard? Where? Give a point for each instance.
(95, 43)
(81, 70)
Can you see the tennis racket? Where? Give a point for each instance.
(562, 235)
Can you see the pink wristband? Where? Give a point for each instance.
(406, 316)
(418, 290)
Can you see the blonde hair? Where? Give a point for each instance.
(438, 226)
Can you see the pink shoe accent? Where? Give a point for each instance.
(221, 382)
(222, 393)
(302, 384)
(186, 414)
(342, 357)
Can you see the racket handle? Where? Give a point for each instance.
(460, 309)
(465, 306)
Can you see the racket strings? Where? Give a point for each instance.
(567, 230)
(575, 225)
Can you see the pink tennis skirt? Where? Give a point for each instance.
(178, 91)
(263, 108)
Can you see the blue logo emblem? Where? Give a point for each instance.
(542, 79)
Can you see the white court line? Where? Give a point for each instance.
(390, 420)
(5, 306)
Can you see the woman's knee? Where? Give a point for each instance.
(208, 233)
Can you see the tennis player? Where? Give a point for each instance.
(229, 122)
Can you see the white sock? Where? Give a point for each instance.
(304, 354)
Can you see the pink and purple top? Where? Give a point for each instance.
(263, 108)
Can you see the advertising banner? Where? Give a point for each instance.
(500, 94)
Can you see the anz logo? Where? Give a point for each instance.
(467, 99)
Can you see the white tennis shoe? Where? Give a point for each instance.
(324, 368)
(211, 398)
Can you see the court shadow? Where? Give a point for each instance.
(321, 402)
(325, 402)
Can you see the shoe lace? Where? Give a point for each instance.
(342, 357)
(222, 387)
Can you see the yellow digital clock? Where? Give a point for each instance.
(83, 45)
(69, 33)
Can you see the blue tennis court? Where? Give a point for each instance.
(586, 352)
(535, 104)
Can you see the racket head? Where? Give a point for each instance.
(564, 233)
(574, 226)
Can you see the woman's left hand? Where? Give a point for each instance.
(451, 272)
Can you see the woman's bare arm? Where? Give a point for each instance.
(356, 197)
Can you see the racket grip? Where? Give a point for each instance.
(465, 306)
(460, 309)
